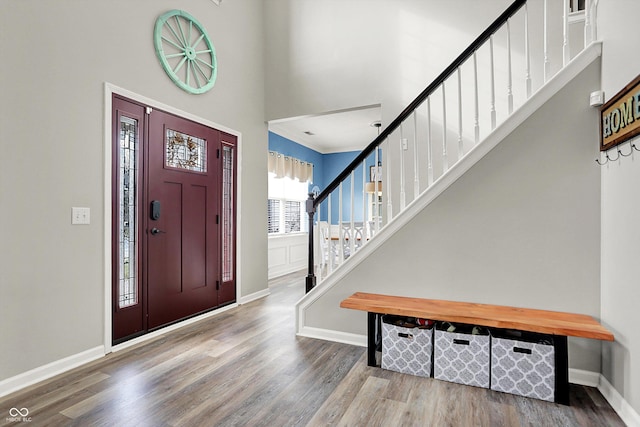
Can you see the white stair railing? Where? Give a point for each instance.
(493, 83)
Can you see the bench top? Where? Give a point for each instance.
(497, 316)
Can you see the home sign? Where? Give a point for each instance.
(620, 116)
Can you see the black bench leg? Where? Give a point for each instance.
(371, 338)
(562, 369)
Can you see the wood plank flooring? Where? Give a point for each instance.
(246, 367)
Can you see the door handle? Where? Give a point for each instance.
(155, 231)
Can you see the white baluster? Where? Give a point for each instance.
(588, 30)
(545, 40)
(527, 54)
(376, 202)
(352, 240)
(416, 163)
(476, 114)
(387, 164)
(509, 74)
(493, 84)
(445, 160)
(330, 242)
(566, 53)
(460, 141)
(340, 230)
(364, 194)
(403, 195)
(429, 146)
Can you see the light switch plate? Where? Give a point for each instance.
(80, 216)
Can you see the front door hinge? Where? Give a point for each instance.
(149, 110)
(218, 153)
(217, 285)
(217, 219)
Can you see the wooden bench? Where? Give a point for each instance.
(559, 324)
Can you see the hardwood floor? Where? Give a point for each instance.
(246, 367)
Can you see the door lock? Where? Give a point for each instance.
(155, 231)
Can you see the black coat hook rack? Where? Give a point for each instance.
(632, 148)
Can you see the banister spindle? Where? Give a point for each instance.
(429, 146)
(509, 73)
(376, 201)
(387, 164)
(330, 242)
(493, 84)
(588, 31)
(460, 141)
(476, 113)
(352, 245)
(416, 163)
(527, 53)
(364, 194)
(445, 160)
(545, 40)
(340, 229)
(403, 144)
(566, 53)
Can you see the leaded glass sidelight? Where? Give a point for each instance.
(228, 225)
(127, 218)
(185, 152)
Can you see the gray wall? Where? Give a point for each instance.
(617, 25)
(521, 228)
(332, 55)
(59, 54)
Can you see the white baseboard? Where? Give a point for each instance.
(337, 336)
(629, 415)
(52, 369)
(49, 370)
(254, 296)
(586, 378)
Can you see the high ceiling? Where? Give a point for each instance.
(348, 130)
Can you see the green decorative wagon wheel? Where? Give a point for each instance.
(185, 51)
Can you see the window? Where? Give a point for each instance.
(128, 216)
(286, 205)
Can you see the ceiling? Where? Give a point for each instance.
(346, 130)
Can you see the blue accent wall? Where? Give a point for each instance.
(325, 168)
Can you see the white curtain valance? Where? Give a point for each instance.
(293, 168)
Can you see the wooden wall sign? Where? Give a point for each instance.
(620, 116)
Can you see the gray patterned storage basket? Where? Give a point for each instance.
(523, 365)
(462, 357)
(406, 350)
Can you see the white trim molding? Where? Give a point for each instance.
(618, 403)
(254, 296)
(335, 336)
(586, 378)
(49, 370)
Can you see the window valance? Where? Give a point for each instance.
(282, 166)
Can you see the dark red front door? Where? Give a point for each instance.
(183, 258)
(174, 219)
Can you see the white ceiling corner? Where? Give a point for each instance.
(345, 130)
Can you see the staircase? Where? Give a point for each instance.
(444, 132)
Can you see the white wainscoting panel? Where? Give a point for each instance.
(287, 254)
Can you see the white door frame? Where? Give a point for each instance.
(109, 91)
